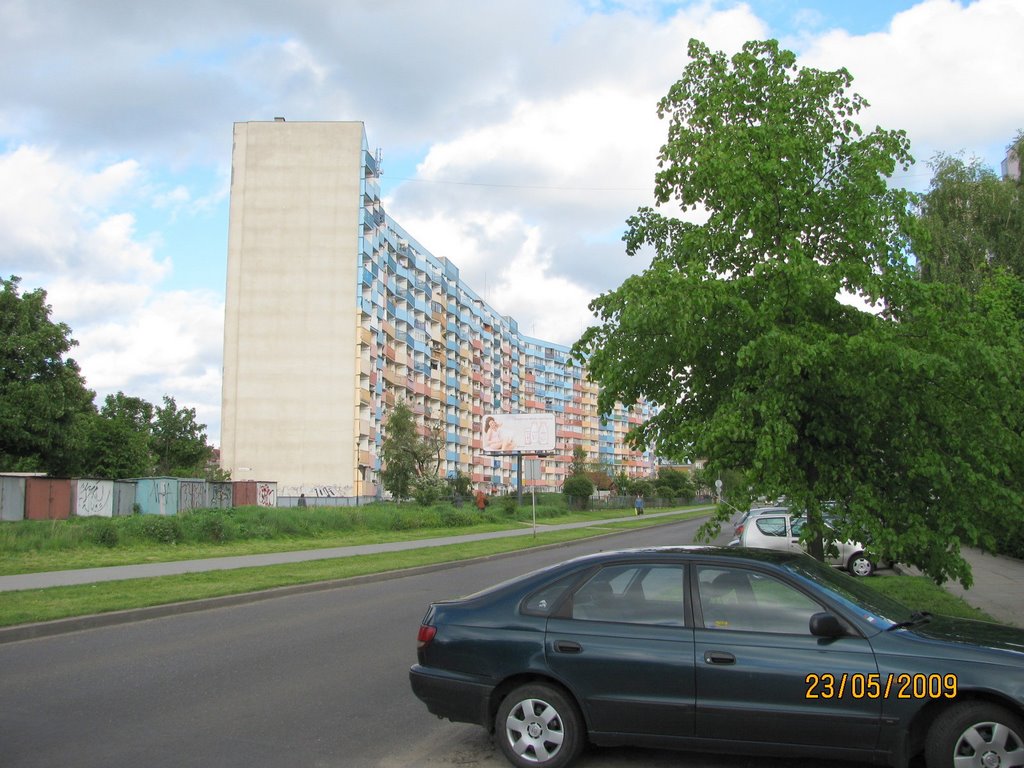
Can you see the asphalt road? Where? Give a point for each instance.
(317, 679)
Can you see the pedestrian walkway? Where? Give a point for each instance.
(998, 587)
(148, 570)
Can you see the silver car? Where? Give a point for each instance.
(777, 530)
(741, 523)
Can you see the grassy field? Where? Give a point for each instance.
(33, 605)
(37, 546)
(28, 547)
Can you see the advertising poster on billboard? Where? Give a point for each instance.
(519, 432)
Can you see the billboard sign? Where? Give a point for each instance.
(519, 432)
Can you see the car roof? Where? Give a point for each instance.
(773, 556)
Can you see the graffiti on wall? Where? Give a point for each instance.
(159, 490)
(220, 495)
(94, 498)
(266, 494)
(315, 491)
(192, 494)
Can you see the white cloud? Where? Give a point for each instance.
(545, 305)
(945, 72)
(544, 109)
(54, 217)
(65, 229)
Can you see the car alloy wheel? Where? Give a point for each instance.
(976, 735)
(537, 725)
(860, 565)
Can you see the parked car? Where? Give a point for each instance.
(720, 649)
(755, 512)
(776, 530)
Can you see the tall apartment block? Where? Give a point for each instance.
(334, 313)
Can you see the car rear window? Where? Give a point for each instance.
(771, 526)
(544, 600)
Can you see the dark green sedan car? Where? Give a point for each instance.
(720, 650)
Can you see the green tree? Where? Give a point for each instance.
(408, 455)
(738, 330)
(41, 392)
(178, 441)
(109, 448)
(972, 223)
(679, 483)
(578, 490)
(134, 410)
(460, 485)
(579, 464)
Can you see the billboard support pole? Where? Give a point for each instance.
(519, 478)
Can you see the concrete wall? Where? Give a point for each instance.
(290, 344)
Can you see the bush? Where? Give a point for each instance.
(104, 533)
(165, 530)
(460, 485)
(456, 518)
(1011, 541)
(578, 490)
(208, 527)
(509, 505)
(400, 522)
(427, 490)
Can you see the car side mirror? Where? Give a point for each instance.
(825, 624)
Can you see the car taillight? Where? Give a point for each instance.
(425, 635)
(739, 530)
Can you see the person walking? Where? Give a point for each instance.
(638, 505)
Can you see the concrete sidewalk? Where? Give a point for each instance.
(998, 587)
(147, 570)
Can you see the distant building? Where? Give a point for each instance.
(1011, 163)
(334, 313)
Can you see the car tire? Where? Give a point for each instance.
(974, 735)
(539, 725)
(860, 565)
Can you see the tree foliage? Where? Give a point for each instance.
(407, 454)
(741, 333)
(42, 393)
(178, 441)
(49, 423)
(972, 223)
(578, 490)
(110, 448)
(678, 483)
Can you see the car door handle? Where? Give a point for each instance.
(719, 657)
(567, 646)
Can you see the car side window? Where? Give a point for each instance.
(738, 599)
(633, 594)
(771, 526)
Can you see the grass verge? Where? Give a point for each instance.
(922, 594)
(33, 605)
(37, 605)
(37, 547)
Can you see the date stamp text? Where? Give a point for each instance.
(872, 686)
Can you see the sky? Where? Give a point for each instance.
(517, 137)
